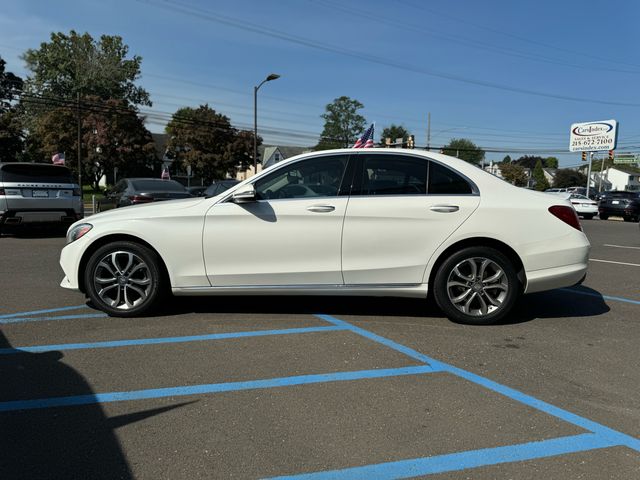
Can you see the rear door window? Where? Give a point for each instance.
(392, 174)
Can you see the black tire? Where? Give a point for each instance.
(627, 218)
(588, 216)
(603, 216)
(498, 301)
(137, 282)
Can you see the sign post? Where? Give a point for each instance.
(593, 137)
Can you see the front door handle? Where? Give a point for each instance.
(321, 208)
(444, 208)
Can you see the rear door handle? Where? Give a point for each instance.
(321, 208)
(444, 208)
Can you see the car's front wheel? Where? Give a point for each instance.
(477, 285)
(124, 279)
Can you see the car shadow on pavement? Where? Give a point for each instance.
(77, 442)
(560, 303)
(574, 302)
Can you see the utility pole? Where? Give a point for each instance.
(589, 172)
(428, 131)
(79, 146)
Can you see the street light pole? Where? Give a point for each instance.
(271, 76)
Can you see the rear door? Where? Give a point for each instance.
(401, 210)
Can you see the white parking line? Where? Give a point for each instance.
(617, 263)
(621, 246)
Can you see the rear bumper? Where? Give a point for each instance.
(619, 211)
(557, 277)
(58, 216)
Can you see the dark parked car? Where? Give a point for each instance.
(219, 186)
(197, 191)
(620, 203)
(134, 191)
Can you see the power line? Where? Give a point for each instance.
(245, 25)
(520, 38)
(472, 43)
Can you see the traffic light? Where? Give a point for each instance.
(584, 156)
(610, 154)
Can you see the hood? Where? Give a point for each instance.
(146, 210)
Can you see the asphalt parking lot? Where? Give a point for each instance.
(319, 388)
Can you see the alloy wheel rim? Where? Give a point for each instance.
(477, 286)
(122, 280)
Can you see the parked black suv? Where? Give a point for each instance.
(620, 203)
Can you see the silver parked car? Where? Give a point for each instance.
(36, 193)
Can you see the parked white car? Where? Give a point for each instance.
(383, 222)
(584, 206)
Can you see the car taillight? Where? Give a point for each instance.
(140, 198)
(2, 192)
(567, 215)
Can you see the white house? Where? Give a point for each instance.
(619, 178)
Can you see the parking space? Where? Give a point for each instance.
(322, 388)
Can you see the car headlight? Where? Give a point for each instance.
(78, 231)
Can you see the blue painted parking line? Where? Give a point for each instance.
(163, 340)
(210, 388)
(6, 321)
(37, 312)
(461, 460)
(598, 295)
(376, 338)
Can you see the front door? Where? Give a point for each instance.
(290, 236)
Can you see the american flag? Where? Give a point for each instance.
(58, 159)
(366, 140)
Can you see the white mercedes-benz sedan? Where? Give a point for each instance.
(384, 222)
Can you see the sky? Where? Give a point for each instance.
(511, 76)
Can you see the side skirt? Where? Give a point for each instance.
(396, 290)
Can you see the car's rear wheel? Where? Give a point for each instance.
(588, 216)
(124, 279)
(477, 285)
(603, 216)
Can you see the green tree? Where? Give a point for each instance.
(72, 76)
(11, 134)
(566, 177)
(342, 124)
(205, 140)
(75, 64)
(465, 150)
(514, 174)
(506, 159)
(393, 132)
(115, 136)
(538, 176)
(530, 161)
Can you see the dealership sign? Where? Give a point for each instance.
(593, 136)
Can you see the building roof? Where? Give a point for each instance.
(265, 151)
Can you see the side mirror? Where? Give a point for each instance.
(245, 195)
